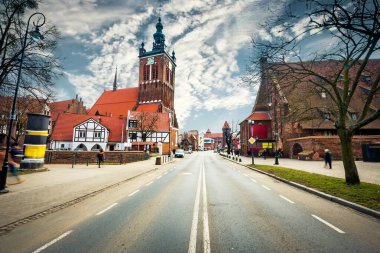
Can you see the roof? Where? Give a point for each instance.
(65, 123)
(226, 125)
(307, 103)
(115, 103)
(151, 107)
(259, 116)
(162, 119)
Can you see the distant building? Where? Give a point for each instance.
(212, 140)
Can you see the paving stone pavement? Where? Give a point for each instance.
(60, 184)
(368, 172)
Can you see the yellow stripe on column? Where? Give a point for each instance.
(34, 151)
(41, 133)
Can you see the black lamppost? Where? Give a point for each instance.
(249, 123)
(275, 133)
(35, 35)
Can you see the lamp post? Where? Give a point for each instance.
(275, 133)
(35, 35)
(249, 123)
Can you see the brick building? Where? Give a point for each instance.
(277, 121)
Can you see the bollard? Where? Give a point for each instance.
(35, 141)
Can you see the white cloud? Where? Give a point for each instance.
(208, 36)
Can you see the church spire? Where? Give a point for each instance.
(115, 81)
(159, 37)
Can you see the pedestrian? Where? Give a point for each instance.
(328, 158)
(13, 166)
(100, 157)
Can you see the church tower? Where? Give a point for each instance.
(157, 73)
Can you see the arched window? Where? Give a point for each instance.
(154, 72)
(146, 72)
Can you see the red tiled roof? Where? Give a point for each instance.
(216, 135)
(163, 121)
(58, 107)
(63, 130)
(226, 125)
(115, 102)
(154, 107)
(259, 116)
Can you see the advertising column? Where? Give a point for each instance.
(35, 141)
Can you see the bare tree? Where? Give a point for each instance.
(146, 124)
(353, 33)
(40, 66)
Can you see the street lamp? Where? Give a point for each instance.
(249, 123)
(36, 36)
(275, 133)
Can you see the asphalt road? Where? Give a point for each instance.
(202, 203)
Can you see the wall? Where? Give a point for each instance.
(67, 157)
(319, 143)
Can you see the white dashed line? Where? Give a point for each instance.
(286, 199)
(108, 208)
(159, 177)
(253, 180)
(265, 187)
(187, 173)
(165, 173)
(52, 242)
(151, 182)
(133, 193)
(328, 224)
(246, 175)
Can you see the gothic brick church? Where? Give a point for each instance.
(119, 109)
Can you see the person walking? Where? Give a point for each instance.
(328, 158)
(100, 157)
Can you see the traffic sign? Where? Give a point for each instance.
(252, 140)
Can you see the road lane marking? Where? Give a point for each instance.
(52, 242)
(253, 180)
(265, 187)
(165, 173)
(194, 224)
(206, 231)
(187, 173)
(328, 224)
(151, 182)
(133, 193)
(108, 208)
(159, 177)
(286, 199)
(246, 175)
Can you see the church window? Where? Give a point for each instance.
(154, 72)
(146, 72)
(167, 74)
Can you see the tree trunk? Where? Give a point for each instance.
(351, 172)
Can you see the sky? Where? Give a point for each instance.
(211, 39)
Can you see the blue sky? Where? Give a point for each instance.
(211, 40)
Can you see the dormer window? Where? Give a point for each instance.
(326, 116)
(353, 116)
(323, 94)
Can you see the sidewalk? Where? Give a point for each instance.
(44, 190)
(368, 172)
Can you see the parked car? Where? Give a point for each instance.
(179, 153)
(189, 151)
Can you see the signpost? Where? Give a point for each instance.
(251, 141)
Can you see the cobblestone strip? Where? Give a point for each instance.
(9, 227)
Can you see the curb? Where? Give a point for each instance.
(340, 201)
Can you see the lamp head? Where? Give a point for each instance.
(36, 35)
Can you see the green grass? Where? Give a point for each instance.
(365, 194)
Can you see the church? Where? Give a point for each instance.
(137, 118)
